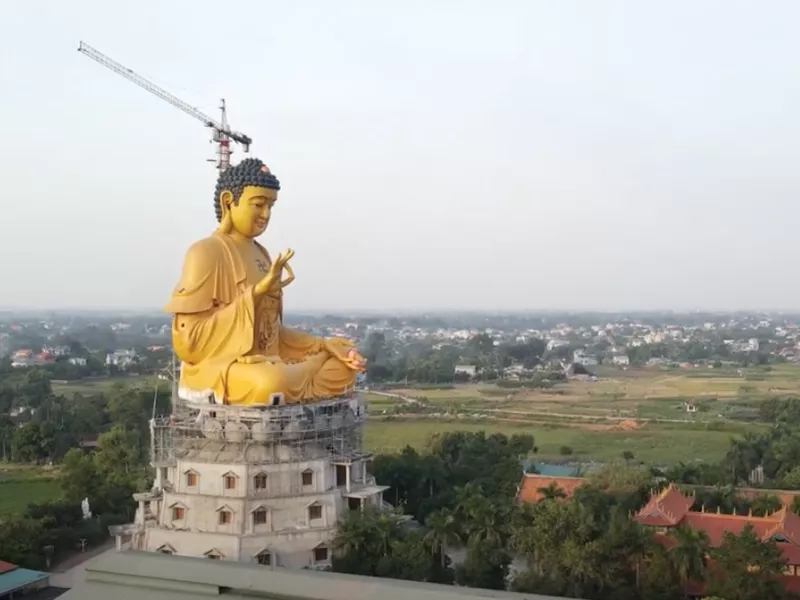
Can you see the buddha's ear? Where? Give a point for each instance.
(225, 201)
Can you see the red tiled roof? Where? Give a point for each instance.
(532, 483)
(716, 524)
(661, 511)
(666, 508)
(5, 567)
(783, 522)
(670, 508)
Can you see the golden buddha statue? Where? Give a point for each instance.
(227, 310)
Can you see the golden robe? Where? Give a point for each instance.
(217, 324)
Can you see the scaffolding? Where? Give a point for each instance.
(330, 429)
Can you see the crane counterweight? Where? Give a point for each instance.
(222, 135)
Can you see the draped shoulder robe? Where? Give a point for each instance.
(217, 324)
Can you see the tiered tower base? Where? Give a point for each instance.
(265, 485)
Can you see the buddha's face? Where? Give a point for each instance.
(250, 216)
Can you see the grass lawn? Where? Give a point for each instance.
(651, 443)
(23, 485)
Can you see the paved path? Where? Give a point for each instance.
(72, 571)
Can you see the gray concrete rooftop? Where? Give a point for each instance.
(143, 575)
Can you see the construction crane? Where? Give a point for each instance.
(222, 132)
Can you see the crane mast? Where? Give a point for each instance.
(222, 136)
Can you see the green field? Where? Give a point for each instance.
(640, 410)
(98, 386)
(20, 485)
(652, 443)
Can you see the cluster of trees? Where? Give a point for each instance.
(774, 454)
(699, 350)
(50, 431)
(108, 477)
(462, 492)
(47, 532)
(422, 362)
(50, 424)
(461, 489)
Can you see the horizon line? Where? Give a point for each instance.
(422, 311)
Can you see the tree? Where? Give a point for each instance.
(35, 389)
(33, 442)
(485, 566)
(79, 477)
(688, 554)
(481, 343)
(409, 558)
(7, 428)
(21, 541)
(119, 471)
(443, 531)
(117, 458)
(372, 543)
(657, 579)
(745, 568)
(552, 492)
(483, 519)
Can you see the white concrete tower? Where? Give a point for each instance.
(266, 485)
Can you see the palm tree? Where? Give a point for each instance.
(443, 531)
(433, 476)
(689, 553)
(485, 521)
(551, 492)
(744, 455)
(352, 535)
(6, 433)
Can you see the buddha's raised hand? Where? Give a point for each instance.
(272, 281)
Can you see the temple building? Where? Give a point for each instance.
(671, 508)
(255, 485)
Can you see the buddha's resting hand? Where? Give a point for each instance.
(272, 282)
(346, 352)
(258, 358)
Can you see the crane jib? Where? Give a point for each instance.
(222, 131)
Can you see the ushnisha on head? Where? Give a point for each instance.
(244, 198)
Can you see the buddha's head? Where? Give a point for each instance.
(244, 197)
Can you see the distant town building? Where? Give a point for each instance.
(581, 358)
(621, 360)
(555, 343)
(121, 358)
(29, 358)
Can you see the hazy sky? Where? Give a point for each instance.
(433, 154)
